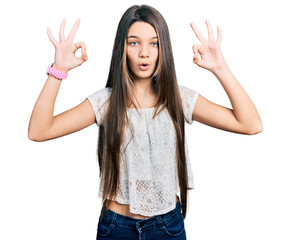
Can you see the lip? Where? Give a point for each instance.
(144, 66)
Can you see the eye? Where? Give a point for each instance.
(133, 43)
(155, 43)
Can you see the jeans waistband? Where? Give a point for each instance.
(121, 220)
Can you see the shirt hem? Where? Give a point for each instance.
(166, 210)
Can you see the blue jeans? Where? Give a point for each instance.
(161, 227)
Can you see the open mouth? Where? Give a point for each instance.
(144, 67)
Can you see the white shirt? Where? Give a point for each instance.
(148, 174)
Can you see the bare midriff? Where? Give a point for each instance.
(123, 209)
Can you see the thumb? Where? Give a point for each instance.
(84, 56)
(81, 45)
(198, 51)
(82, 59)
(197, 60)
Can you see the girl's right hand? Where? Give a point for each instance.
(65, 58)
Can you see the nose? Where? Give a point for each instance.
(144, 51)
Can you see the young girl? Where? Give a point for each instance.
(145, 170)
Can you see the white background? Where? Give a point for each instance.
(242, 182)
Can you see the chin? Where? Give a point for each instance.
(143, 76)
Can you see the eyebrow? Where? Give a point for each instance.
(138, 37)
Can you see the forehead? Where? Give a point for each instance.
(141, 30)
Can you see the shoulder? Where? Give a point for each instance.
(189, 98)
(99, 97)
(186, 90)
(99, 103)
(101, 93)
(188, 94)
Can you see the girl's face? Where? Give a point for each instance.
(142, 49)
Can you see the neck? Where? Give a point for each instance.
(142, 87)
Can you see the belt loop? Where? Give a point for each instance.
(158, 217)
(112, 225)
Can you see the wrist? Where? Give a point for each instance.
(57, 72)
(220, 69)
(59, 68)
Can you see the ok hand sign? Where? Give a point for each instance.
(65, 58)
(209, 50)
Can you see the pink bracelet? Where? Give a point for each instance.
(57, 74)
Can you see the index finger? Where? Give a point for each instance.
(53, 40)
(210, 32)
(197, 33)
(74, 30)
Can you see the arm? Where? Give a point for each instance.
(243, 118)
(43, 125)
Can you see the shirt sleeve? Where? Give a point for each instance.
(99, 103)
(189, 98)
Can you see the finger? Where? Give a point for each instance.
(198, 49)
(52, 39)
(62, 31)
(82, 59)
(219, 35)
(197, 33)
(198, 61)
(210, 32)
(74, 30)
(195, 49)
(196, 58)
(81, 45)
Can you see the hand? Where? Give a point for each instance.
(65, 58)
(210, 52)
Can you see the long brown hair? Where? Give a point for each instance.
(120, 79)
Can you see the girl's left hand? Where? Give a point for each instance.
(209, 50)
